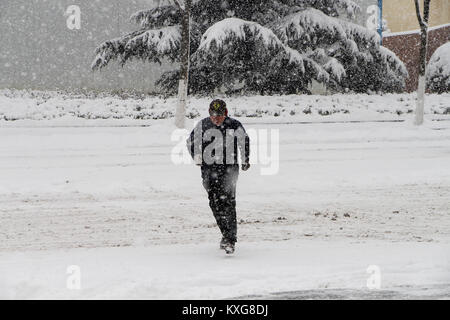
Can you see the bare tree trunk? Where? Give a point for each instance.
(184, 69)
(423, 22)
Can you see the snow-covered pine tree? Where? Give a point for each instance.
(262, 46)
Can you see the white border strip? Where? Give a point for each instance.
(393, 34)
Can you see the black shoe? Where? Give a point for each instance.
(223, 242)
(229, 248)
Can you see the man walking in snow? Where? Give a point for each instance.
(214, 145)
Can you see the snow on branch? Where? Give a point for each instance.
(356, 31)
(351, 7)
(316, 70)
(222, 31)
(163, 40)
(307, 22)
(334, 67)
(157, 17)
(332, 7)
(249, 53)
(111, 50)
(310, 21)
(393, 61)
(149, 45)
(329, 64)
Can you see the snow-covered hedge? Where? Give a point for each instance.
(44, 105)
(438, 70)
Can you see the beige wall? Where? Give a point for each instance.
(401, 14)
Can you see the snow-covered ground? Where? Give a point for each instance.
(300, 268)
(65, 107)
(104, 195)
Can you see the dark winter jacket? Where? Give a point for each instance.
(218, 145)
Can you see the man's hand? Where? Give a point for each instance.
(245, 166)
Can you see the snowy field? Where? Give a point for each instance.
(104, 195)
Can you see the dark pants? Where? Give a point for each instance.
(220, 183)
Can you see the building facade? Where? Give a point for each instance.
(403, 32)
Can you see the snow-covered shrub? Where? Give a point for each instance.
(438, 70)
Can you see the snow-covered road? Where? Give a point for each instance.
(321, 269)
(356, 186)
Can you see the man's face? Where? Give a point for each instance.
(217, 120)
